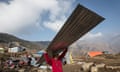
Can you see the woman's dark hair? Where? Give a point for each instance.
(55, 55)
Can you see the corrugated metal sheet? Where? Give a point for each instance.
(79, 23)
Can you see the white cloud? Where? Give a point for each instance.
(55, 25)
(16, 16)
(57, 16)
(20, 14)
(91, 36)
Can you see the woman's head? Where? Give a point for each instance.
(55, 55)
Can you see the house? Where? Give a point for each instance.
(2, 50)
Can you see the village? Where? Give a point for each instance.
(16, 58)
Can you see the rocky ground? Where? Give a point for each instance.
(112, 64)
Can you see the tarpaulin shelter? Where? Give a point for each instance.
(94, 53)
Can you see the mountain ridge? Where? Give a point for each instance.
(80, 47)
(7, 38)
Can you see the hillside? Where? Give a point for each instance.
(7, 38)
(115, 43)
(110, 44)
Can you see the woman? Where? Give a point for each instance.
(56, 61)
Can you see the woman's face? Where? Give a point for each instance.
(56, 57)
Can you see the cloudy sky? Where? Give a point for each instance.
(40, 20)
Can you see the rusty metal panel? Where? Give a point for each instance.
(79, 23)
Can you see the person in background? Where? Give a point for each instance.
(56, 61)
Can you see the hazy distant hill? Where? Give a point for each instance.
(111, 44)
(44, 44)
(7, 38)
(115, 43)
